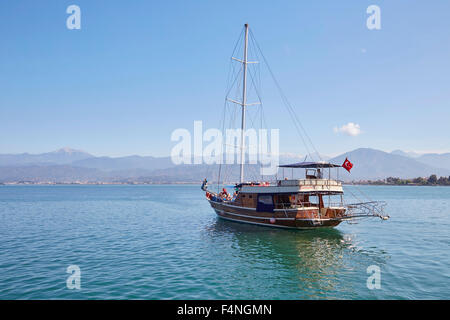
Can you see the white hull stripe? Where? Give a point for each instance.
(270, 225)
(267, 218)
(254, 209)
(252, 217)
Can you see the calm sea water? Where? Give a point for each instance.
(165, 242)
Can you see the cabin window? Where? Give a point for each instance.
(265, 199)
(283, 199)
(250, 196)
(265, 203)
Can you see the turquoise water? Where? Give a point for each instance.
(165, 242)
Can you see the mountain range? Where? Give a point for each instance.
(74, 166)
(61, 156)
(375, 164)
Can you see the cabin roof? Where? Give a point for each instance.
(320, 164)
(310, 186)
(293, 189)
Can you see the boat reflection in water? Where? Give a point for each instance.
(307, 264)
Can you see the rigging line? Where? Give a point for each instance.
(297, 127)
(231, 71)
(224, 149)
(304, 131)
(257, 93)
(238, 42)
(223, 128)
(223, 125)
(233, 83)
(253, 75)
(237, 87)
(229, 169)
(222, 122)
(232, 118)
(299, 131)
(251, 117)
(233, 68)
(284, 97)
(234, 72)
(355, 196)
(261, 109)
(363, 194)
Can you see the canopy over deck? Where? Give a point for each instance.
(320, 164)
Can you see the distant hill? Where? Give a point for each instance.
(375, 164)
(286, 158)
(436, 160)
(50, 173)
(195, 173)
(68, 166)
(125, 163)
(409, 154)
(60, 156)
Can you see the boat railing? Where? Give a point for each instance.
(284, 209)
(367, 209)
(334, 205)
(290, 205)
(303, 205)
(309, 182)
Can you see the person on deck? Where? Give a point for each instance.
(204, 185)
(319, 174)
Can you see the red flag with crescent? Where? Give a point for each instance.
(347, 165)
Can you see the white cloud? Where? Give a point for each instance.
(351, 129)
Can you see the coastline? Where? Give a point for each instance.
(188, 183)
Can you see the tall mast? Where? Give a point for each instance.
(244, 101)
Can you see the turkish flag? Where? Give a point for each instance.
(347, 165)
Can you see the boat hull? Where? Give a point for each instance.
(279, 219)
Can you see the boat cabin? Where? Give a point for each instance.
(312, 192)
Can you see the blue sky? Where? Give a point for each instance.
(137, 70)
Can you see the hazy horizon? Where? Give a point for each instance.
(286, 154)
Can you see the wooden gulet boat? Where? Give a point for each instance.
(311, 202)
